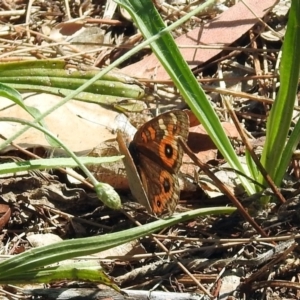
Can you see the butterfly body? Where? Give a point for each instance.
(157, 155)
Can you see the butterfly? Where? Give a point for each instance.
(153, 159)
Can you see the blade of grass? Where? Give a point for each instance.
(288, 151)
(42, 256)
(279, 121)
(53, 76)
(80, 271)
(52, 163)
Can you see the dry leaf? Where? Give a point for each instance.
(223, 30)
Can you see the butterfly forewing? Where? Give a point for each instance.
(158, 139)
(134, 180)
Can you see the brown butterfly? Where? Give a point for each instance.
(154, 159)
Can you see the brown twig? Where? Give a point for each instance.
(291, 246)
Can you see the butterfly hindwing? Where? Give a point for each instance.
(162, 187)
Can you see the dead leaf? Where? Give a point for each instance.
(80, 125)
(5, 213)
(127, 249)
(223, 30)
(39, 240)
(203, 146)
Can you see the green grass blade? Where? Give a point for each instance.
(80, 271)
(53, 163)
(288, 151)
(39, 257)
(279, 121)
(52, 76)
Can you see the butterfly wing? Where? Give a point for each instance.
(134, 181)
(158, 156)
(158, 139)
(161, 187)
